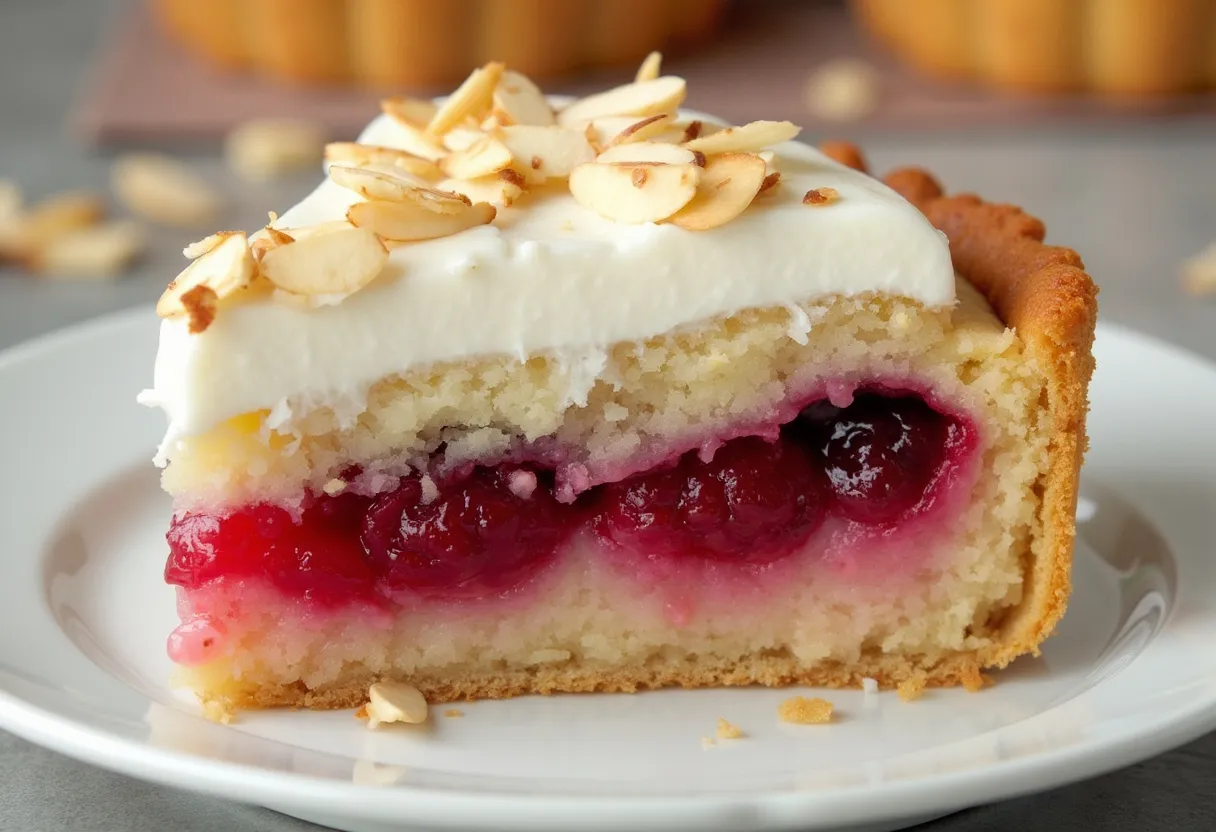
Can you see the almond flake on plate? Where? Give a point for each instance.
(662, 153)
(405, 222)
(95, 252)
(56, 215)
(644, 98)
(652, 64)
(225, 268)
(163, 190)
(416, 112)
(634, 193)
(546, 152)
(517, 100)
(337, 263)
(502, 189)
(484, 157)
(754, 136)
(471, 98)
(353, 154)
(264, 148)
(728, 185)
(395, 702)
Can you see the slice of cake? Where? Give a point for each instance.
(615, 397)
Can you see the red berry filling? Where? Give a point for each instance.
(878, 462)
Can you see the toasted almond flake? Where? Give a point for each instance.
(639, 177)
(416, 112)
(273, 216)
(652, 64)
(390, 187)
(24, 235)
(163, 190)
(728, 185)
(484, 157)
(519, 101)
(278, 236)
(412, 138)
(262, 149)
(611, 192)
(471, 98)
(698, 158)
(337, 263)
(11, 202)
(820, 196)
(225, 268)
(770, 181)
(843, 90)
(404, 222)
(750, 137)
(559, 149)
(667, 154)
(352, 154)
(642, 130)
(200, 304)
(201, 247)
(644, 98)
(395, 702)
(692, 131)
(728, 730)
(501, 189)
(95, 252)
(462, 138)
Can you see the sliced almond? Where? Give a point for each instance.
(163, 190)
(546, 152)
(634, 193)
(96, 252)
(602, 132)
(264, 148)
(462, 138)
(728, 185)
(651, 65)
(278, 236)
(301, 232)
(519, 101)
(51, 218)
(395, 702)
(404, 222)
(201, 247)
(383, 185)
(412, 138)
(642, 130)
(750, 137)
(225, 268)
(667, 154)
(416, 112)
(337, 263)
(353, 154)
(502, 189)
(200, 304)
(471, 98)
(771, 181)
(641, 98)
(484, 157)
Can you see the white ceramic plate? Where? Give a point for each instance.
(83, 670)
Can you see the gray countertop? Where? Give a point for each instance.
(1133, 199)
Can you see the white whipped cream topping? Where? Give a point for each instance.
(547, 276)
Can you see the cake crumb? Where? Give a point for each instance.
(973, 680)
(216, 712)
(361, 713)
(869, 685)
(913, 687)
(803, 711)
(707, 743)
(453, 713)
(728, 730)
(334, 487)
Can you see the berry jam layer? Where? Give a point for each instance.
(857, 495)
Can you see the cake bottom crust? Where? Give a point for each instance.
(766, 668)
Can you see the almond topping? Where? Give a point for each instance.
(644, 98)
(651, 65)
(99, 251)
(225, 268)
(754, 136)
(519, 101)
(416, 112)
(461, 138)
(198, 249)
(352, 154)
(382, 185)
(472, 98)
(24, 235)
(200, 305)
(644, 129)
(692, 131)
(412, 138)
(612, 190)
(770, 182)
(698, 158)
(639, 177)
(668, 154)
(262, 149)
(337, 263)
(486, 156)
(280, 238)
(501, 189)
(395, 702)
(820, 196)
(728, 185)
(559, 149)
(403, 221)
(163, 190)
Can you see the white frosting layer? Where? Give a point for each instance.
(546, 276)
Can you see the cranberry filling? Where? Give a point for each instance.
(488, 531)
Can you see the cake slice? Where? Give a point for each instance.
(612, 397)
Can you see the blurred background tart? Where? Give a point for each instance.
(423, 42)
